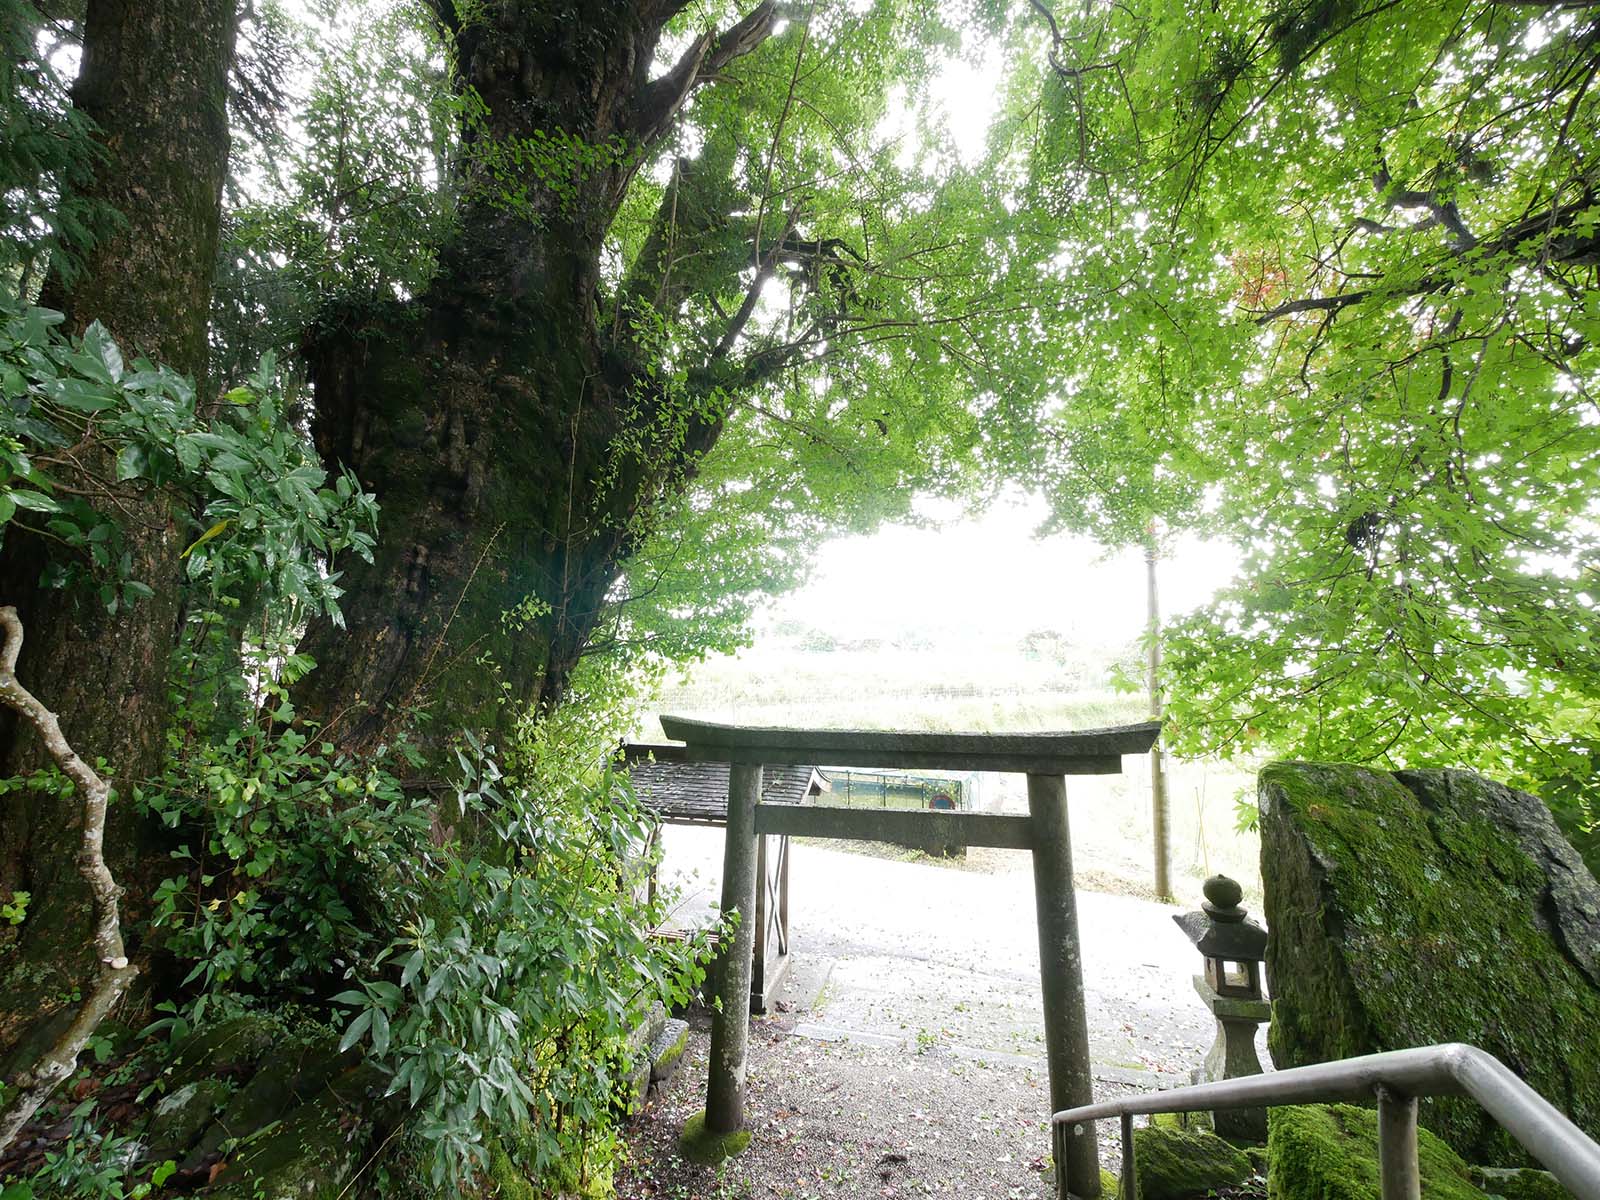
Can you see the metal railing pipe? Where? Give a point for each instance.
(1453, 1069)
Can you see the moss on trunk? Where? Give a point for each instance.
(516, 439)
(154, 79)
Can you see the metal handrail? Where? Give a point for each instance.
(1397, 1079)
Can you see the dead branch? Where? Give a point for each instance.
(114, 973)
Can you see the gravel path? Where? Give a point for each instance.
(908, 1057)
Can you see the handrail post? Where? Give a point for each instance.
(1397, 1078)
(1398, 1171)
(1066, 1022)
(730, 1020)
(1130, 1171)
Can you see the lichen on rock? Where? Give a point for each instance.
(1412, 908)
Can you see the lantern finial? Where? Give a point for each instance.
(1222, 898)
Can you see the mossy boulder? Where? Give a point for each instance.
(1417, 907)
(667, 1050)
(178, 1118)
(1173, 1163)
(286, 1079)
(1330, 1152)
(1519, 1183)
(232, 1048)
(312, 1151)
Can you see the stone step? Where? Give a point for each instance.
(666, 1051)
(644, 1034)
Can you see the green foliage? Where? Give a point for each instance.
(292, 856)
(343, 206)
(506, 1003)
(92, 1165)
(1336, 263)
(260, 514)
(15, 910)
(47, 153)
(491, 943)
(522, 174)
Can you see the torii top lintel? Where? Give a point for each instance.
(1080, 752)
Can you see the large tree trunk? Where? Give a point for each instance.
(154, 79)
(513, 432)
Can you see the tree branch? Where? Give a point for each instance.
(445, 13)
(659, 101)
(115, 972)
(1543, 240)
(1444, 212)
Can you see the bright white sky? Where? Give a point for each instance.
(995, 580)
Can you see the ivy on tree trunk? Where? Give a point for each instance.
(516, 423)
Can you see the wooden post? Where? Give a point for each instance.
(1066, 1021)
(730, 1020)
(1160, 813)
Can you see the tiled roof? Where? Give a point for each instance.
(698, 792)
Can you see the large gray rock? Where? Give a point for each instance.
(315, 1149)
(1418, 907)
(177, 1118)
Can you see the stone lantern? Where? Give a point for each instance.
(1234, 948)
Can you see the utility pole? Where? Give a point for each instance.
(1160, 824)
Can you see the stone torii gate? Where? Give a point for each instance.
(1046, 759)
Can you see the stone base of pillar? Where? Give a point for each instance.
(1233, 1056)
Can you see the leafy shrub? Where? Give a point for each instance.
(90, 1164)
(252, 488)
(507, 1001)
(294, 858)
(493, 945)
